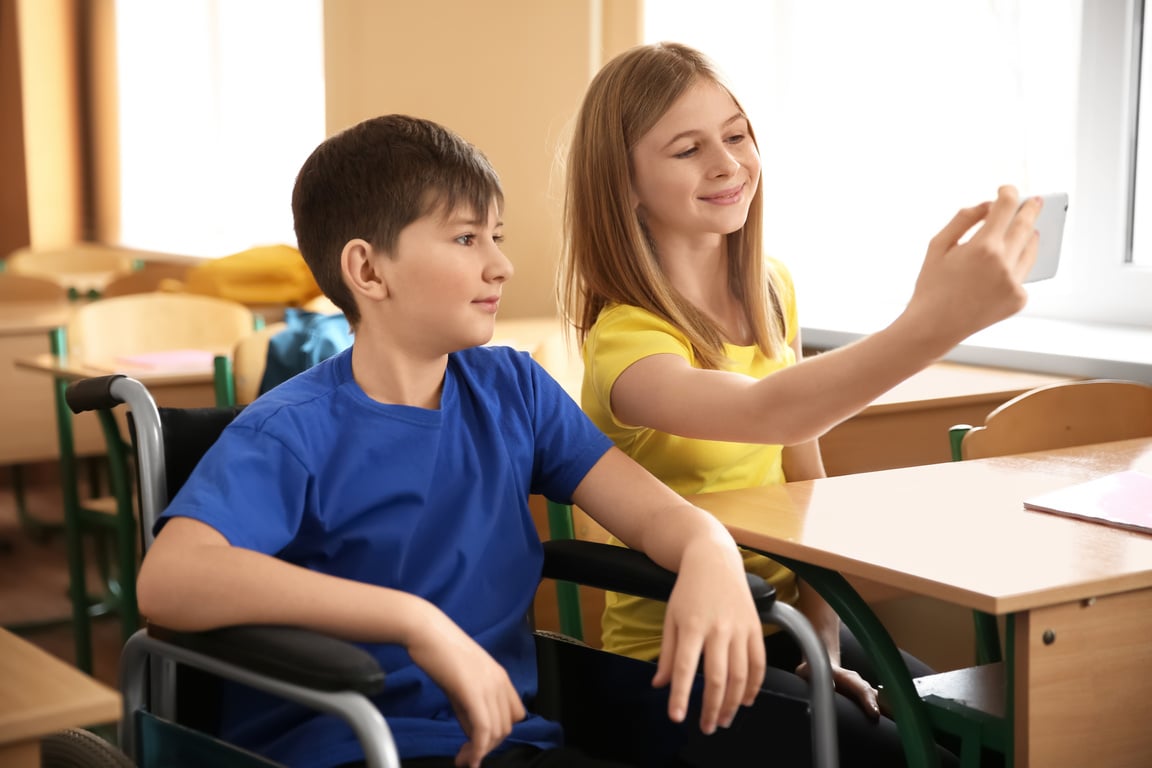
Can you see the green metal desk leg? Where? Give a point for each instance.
(908, 712)
(73, 536)
(567, 593)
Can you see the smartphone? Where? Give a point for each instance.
(1050, 225)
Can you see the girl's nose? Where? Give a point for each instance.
(724, 163)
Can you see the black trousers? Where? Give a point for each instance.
(516, 757)
(776, 730)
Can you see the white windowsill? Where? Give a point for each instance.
(1043, 345)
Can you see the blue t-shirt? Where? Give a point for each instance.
(432, 502)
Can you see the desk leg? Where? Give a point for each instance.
(1083, 682)
(73, 536)
(914, 725)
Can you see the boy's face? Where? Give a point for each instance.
(445, 278)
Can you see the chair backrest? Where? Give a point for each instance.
(83, 268)
(150, 277)
(249, 358)
(103, 330)
(16, 287)
(1063, 415)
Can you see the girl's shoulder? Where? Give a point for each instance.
(626, 318)
(780, 274)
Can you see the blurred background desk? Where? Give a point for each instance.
(40, 694)
(28, 432)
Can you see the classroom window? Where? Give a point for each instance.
(877, 121)
(219, 105)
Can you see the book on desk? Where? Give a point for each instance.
(164, 361)
(1121, 499)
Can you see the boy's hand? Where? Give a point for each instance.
(482, 695)
(964, 287)
(711, 614)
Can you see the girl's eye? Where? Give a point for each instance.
(466, 239)
(736, 139)
(686, 153)
(498, 239)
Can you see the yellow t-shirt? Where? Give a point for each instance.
(622, 335)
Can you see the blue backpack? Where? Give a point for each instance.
(309, 338)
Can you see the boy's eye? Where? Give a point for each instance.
(686, 153)
(466, 239)
(498, 238)
(736, 139)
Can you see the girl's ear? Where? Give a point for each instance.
(359, 264)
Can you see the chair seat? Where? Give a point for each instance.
(980, 689)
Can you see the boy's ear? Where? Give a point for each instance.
(359, 262)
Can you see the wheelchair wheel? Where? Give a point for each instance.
(77, 748)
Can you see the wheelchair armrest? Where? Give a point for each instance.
(619, 569)
(289, 654)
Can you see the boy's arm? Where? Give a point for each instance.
(193, 579)
(710, 613)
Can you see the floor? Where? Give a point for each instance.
(34, 578)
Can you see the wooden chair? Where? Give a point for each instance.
(1061, 416)
(975, 702)
(237, 377)
(100, 335)
(150, 277)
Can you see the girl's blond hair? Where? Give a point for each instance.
(608, 258)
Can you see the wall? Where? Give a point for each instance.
(508, 75)
(51, 120)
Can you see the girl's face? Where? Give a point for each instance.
(695, 173)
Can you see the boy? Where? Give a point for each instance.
(381, 496)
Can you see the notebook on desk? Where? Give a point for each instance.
(166, 361)
(1122, 499)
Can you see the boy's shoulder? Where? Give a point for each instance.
(307, 390)
(496, 366)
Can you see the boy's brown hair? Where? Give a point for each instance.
(375, 178)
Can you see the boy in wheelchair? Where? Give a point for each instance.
(382, 496)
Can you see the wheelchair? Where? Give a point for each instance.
(168, 679)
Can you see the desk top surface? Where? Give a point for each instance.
(955, 531)
(72, 370)
(40, 694)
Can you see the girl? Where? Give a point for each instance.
(691, 340)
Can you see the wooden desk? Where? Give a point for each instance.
(182, 389)
(958, 532)
(40, 694)
(27, 421)
(908, 425)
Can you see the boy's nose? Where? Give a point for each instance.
(499, 267)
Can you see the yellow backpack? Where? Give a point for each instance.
(268, 274)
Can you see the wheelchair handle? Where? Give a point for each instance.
(93, 394)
